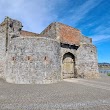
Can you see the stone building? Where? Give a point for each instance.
(57, 53)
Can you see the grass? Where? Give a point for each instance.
(108, 74)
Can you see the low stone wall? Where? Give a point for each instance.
(33, 60)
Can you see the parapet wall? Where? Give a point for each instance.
(65, 34)
(62, 33)
(85, 40)
(33, 60)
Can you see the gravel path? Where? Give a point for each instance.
(74, 94)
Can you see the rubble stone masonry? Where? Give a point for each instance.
(58, 52)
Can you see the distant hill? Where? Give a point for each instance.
(104, 65)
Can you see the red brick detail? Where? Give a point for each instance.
(26, 33)
(69, 35)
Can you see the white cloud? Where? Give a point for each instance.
(37, 14)
(101, 29)
(98, 38)
(101, 33)
(81, 11)
(34, 14)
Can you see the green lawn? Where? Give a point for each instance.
(108, 74)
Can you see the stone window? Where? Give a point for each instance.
(29, 57)
(13, 58)
(45, 58)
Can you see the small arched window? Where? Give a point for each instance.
(45, 58)
(13, 58)
(29, 57)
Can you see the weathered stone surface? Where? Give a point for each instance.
(86, 61)
(85, 40)
(62, 33)
(3, 30)
(60, 51)
(33, 60)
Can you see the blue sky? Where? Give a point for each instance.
(92, 17)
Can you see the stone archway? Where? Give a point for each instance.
(68, 65)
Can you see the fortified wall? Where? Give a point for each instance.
(58, 52)
(81, 47)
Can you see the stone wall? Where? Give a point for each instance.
(66, 48)
(2, 56)
(3, 29)
(86, 61)
(27, 58)
(62, 33)
(13, 30)
(50, 31)
(86, 40)
(9, 28)
(85, 56)
(33, 60)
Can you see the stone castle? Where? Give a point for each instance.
(57, 53)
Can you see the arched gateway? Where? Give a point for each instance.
(68, 65)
